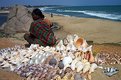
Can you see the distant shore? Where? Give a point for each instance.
(1, 11)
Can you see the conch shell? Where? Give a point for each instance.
(86, 67)
(93, 67)
(81, 43)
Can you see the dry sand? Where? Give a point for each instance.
(97, 30)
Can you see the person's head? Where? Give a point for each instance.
(37, 14)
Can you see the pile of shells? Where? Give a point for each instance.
(12, 58)
(107, 58)
(48, 72)
(38, 61)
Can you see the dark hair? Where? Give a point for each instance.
(38, 13)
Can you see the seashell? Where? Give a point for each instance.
(66, 61)
(12, 68)
(57, 77)
(61, 65)
(34, 46)
(79, 66)
(71, 55)
(29, 77)
(86, 67)
(37, 61)
(70, 47)
(57, 48)
(25, 60)
(5, 64)
(69, 38)
(76, 37)
(81, 43)
(65, 42)
(68, 70)
(1, 59)
(93, 67)
(73, 64)
(53, 62)
(92, 59)
(78, 55)
(65, 77)
(31, 62)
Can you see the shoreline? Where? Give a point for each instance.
(82, 17)
(3, 12)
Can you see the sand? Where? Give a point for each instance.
(97, 30)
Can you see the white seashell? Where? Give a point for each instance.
(61, 42)
(14, 62)
(62, 48)
(57, 48)
(34, 46)
(26, 60)
(71, 55)
(6, 65)
(1, 59)
(86, 67)
(3, 62)
(12, 68)
(79, 66)
(73, 64)
(93, 67)
(89, 48)
(37, 61)
(70, 47)
(31, 62)
(76, 37)
(84, 44)
(65, 66)
(42, 60)
(67, 60)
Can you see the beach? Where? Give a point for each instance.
(99, 31)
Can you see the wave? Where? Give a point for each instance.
(103, 15)
(100, 14)
(46, 8)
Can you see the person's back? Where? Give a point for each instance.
(40, 30)
(43, 33)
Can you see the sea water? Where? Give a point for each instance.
(3, 18)
(100, 12)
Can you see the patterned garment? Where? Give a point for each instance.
(43, 32)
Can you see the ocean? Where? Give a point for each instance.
(99, 12)
(3, 18)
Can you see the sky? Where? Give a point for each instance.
(60, 2)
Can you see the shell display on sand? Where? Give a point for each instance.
(45, 63)
(107, 58)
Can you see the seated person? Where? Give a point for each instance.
(40, 31)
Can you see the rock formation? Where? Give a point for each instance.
(19, 20)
